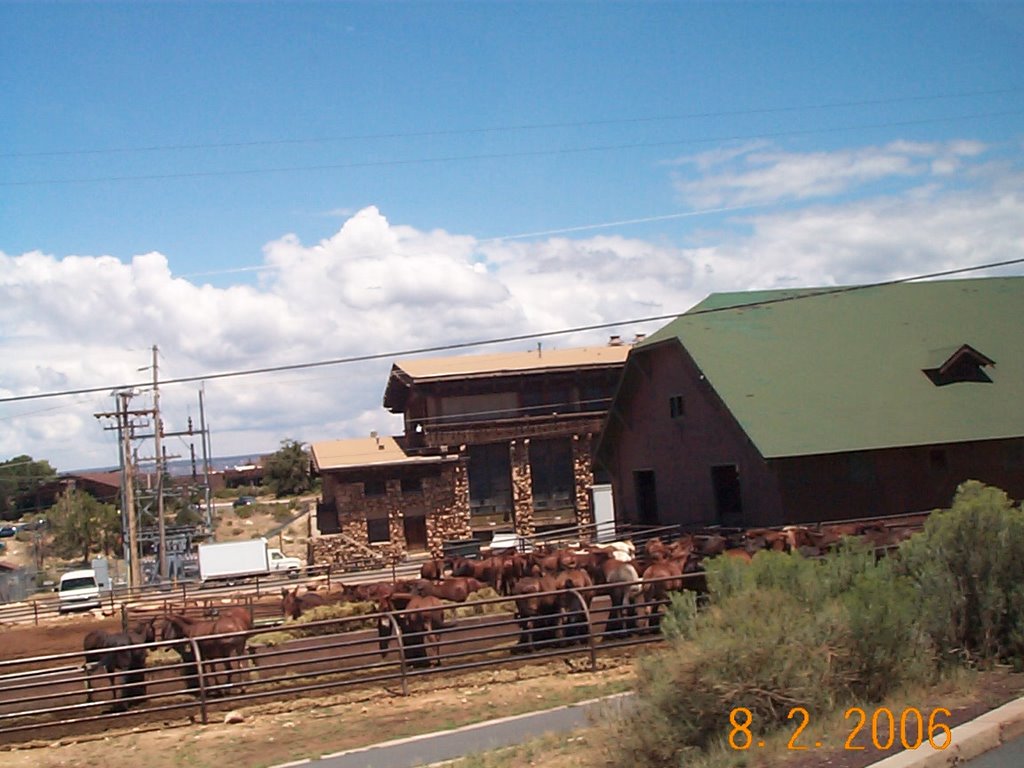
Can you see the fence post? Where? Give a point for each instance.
(396, 629)
(591, 642)
(35, 612)
(200, 679)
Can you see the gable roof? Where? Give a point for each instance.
(832, 370)
(431, 369)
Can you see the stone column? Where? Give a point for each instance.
(396, 520)
(447, 499)
(583, 472)
(522, 487)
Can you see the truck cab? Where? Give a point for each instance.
(281, 562)
(78, 590)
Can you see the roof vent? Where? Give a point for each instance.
(615, 341)
(639, 337)
(965, 364)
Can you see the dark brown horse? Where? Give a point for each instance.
(419, 618)
(214, 647)
(113, 652)
(294, 605)
(538, 611)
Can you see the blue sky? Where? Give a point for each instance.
(252, 184)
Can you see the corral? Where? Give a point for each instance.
(45, 695)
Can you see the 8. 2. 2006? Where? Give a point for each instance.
(913, 728)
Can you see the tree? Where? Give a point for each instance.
(21, 478)
(81, 525)
(286, 471)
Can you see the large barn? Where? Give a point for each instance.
(779, 407)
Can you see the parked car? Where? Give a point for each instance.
(8, 530)
(244, 501)
(78, 590)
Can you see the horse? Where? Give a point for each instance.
(433, 569)
(574, 617)
(213, 648)
(660, 578)
(538, 610)
(454, 589)
(623, 588)
(294, 605)
(113, 652)
(489, 570)
(419, 618)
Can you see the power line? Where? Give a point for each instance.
(511, 128)
(524, 235)
(507, 339)
(502, 155)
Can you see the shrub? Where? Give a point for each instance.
(966, 567)
(781, 631)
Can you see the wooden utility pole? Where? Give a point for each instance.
(128, 492)
(125, 427)
(127, 423)
(158, 428)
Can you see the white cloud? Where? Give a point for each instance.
(757, 174)
(374, 287)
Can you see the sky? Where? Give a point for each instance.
(251, 185)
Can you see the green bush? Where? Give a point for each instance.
(966, 565)
(781, 631)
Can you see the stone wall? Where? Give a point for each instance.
(583, 472)
(444, 499)
(522, 488)
(447, 498)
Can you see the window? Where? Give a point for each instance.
(378, 530)
(412, 485)
(490, 479)
(963, 365)
(375, 488)
(552, 480)
(675, 406)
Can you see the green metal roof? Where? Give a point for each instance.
(806, 372)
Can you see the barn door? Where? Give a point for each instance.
(646, 496)
(728, 502)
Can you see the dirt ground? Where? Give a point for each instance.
(275, 733)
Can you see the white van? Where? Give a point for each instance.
(78, 590)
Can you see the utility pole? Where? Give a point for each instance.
(127, 424)
(128, 491)
(204, 433)
(125, 427)
(158, 428)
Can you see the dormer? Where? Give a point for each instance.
(963, 364)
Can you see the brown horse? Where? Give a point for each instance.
(419, 618)
(574, 617)
(538, 611)
(214, 648)
(113, 652)
(455, 588)
(294, 605)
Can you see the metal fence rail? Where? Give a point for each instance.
(57, 695)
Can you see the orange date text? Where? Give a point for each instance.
(909, 728)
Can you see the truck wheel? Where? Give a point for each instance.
(293, 573)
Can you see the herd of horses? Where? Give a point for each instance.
(552, 590)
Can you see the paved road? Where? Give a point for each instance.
(449, 745)
(1009, 755)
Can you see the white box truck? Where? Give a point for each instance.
(241, 559)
